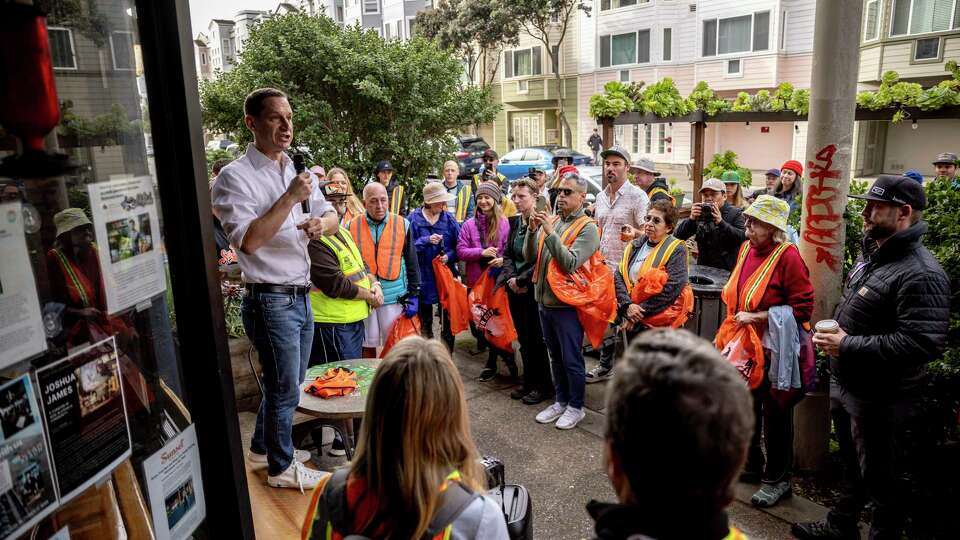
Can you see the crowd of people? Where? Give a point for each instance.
(327, 275)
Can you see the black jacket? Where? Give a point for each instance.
(514, 265)
(659, 183)
(718, 243)
(895, 310)
(676, 268)
(620, 522)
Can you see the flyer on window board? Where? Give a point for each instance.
(81, 399)
(128, 235)
(26, 480)
(21, 324)
(175, 488)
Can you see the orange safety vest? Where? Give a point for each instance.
(749, 301)
(384, 256)
(79, 287)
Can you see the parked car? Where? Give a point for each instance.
(470, 155)
(516, 163)
(219, 144)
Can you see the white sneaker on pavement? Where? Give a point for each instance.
(259, 461)
(297, 476)
(571, 417)
(551, 413)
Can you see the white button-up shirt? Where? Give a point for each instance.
(244, 191)
(629, 207)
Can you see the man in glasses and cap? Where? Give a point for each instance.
(891, 322)
(396, 191)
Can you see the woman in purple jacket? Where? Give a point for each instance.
(481, 244)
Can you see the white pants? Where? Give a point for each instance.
(378, 324)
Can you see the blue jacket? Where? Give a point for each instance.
(421, 230)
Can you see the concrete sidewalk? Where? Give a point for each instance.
(563, 470)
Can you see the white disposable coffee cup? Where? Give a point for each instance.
(827, 326)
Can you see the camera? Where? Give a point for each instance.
(706, 212)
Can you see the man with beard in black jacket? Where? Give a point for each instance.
(891, 322)
(720, 227)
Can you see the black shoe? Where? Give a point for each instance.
(518, 393)
(535, 397)
(488, 374)
(823, 529)
(337, 448)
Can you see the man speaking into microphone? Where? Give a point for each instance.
(270, 211)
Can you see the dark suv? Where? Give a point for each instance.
(470, 153)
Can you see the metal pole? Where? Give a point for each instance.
(836, 58)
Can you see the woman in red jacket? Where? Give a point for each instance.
(769, 274)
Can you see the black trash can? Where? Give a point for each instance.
(708, 308)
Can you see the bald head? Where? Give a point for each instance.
(375, 200)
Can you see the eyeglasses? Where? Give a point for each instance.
(566, 192)
(653, 219)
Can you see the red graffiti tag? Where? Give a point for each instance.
(822, 223)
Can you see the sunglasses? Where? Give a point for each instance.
(566, 192)
(656, 220)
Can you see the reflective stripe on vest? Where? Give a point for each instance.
(384, 256)
(342, 310)
(756, 284)
(78, 285)
(463, 202)
(659, 189)
(658, 257)
(396, 199)
(567, 237)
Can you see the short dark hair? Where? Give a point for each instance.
(253, 104)
(668, 208)
(527, 183)
(219, 164)
(679, 420)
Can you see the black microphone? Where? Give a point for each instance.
(300, 165)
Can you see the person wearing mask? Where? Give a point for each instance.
(462, 205)
(620, 210)
(258, 198)
(481, 244)
(647, 177)
(656, 250)
(892, 321)
(435, 234)
(416, 460)
(676, 432)
(385, 240)
(595, 142)
(352, 206)
(734, 191)
(769, 273)
(770, 178)
(946, 166)
(516, 276)
(396, 192)
(570, 239)
(717, 225)
(790, 185)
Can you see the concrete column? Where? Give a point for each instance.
(836, 59)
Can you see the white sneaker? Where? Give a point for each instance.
(551, 413)
(259, 461)
(571, 417)
(297, 475)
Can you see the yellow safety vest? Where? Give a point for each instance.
(463, 202)
(342, 310)
(659, 189)
(396, 199)
(660, 255)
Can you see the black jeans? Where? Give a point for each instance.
(533, 350)
(774, 422)
(425, 312)
(870, 433)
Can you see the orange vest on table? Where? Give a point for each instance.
(650, 282)
(590, 289)
(385, 256)
(753, 290)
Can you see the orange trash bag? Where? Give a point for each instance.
(333, 383)
(453, 297)
(742, 347)
(490, 310)
(402, 327)
(590, 289)
(649, 284)
(675, 315)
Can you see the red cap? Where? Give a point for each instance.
(793, 165)
(567, 169)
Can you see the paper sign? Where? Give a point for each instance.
(128, 235)
(175, 487)
(21, 324)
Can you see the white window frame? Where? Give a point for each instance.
(513, 63)
(936, 59)
(726, 68)
(648, 142)
(618, 135)
(387, 33)
(73, 48)
(523, 86)
(716, 47)
(621, 75)
(363, 7)
(663, 41)
(635, 146)
(113, 53)
(866, 9)
(637, 3)
(662, 139)
(954, 24)
(636, 48)
(408, 30)
(784, 17)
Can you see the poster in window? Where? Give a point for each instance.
(128, 235)
(81, 398)
(175, 488)
(21, 323)
(26, 480)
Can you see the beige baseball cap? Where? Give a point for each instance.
(714, 184)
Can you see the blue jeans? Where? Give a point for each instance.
(563, 334)
(336, 342)
(281, 328)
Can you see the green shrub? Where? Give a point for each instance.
(727, 161)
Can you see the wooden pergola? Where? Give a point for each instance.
(698, 123)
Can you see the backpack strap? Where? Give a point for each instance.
(456, 499)
(332, 510)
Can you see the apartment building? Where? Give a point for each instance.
(201, 57)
